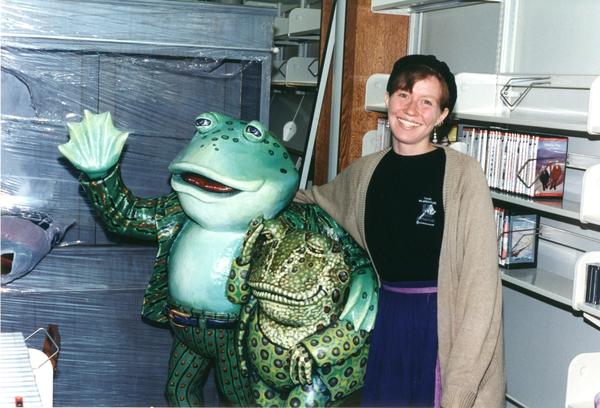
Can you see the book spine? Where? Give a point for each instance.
(524, 142)
(532, 166)
(589, 283)
(595, 283)
(490, 159)
(484, 149)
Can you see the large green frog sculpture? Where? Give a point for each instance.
(294, 283)
(231, 172)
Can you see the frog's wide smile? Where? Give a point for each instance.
(207, 184)
(268, 292)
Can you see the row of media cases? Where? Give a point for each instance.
(527, 173)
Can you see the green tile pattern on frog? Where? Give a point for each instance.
(295, 283)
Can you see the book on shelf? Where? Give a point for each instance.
(592, 284)
(519, 163)
(550, 166)
(517, 238)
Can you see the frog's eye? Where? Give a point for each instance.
(255, 132)
(203, 122)
(206, 122)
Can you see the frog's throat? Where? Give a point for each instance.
(266, 291)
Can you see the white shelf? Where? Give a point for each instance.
(590, 196)
(278, 73)
(375, 91)
(590, 311)
(406, 7)
(302, 24)
(281, 26)
(564, 208)
(566, 102)
(584, 208)
(545, 121)
(547, 284)
(305, 22)
(582, 380)
(296, 72)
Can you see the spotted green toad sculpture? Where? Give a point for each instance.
(231, 172)
(294, 284)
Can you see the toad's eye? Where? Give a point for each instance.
(255, 132)
(203, 122)
(208, 121)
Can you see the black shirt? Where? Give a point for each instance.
(404, 216)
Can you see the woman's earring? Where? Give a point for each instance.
(434, 138)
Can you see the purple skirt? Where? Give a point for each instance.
(403, 367)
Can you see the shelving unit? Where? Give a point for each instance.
(546, 323)
(299, 27)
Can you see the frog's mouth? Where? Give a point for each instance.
(207, 184)
(265, 291)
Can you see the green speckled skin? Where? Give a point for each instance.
(298, 351)
(230, 172)
(246, 157)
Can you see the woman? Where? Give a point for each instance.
(425, 216)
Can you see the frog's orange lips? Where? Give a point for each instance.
(207, 184)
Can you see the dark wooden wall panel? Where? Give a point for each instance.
(372, 43)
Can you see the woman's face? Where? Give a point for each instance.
(413, 115)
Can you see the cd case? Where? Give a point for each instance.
(522, 241)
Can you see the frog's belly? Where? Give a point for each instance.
(199, 265)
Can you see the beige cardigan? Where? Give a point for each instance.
(469, 287)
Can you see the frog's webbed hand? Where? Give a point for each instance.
(95, 144)
(238, 290)
(361, 305)
(301, 364)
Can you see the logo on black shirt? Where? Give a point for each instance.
(427, 212)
